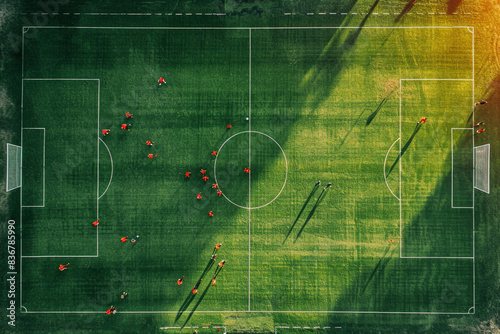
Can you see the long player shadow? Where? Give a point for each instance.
(190, 298)
(316, 186)
(409, 5)
(185, 305)
(197, 304)
(373, 114)
(354, 36)
(403, 150)
(318, 201)
(382, 263)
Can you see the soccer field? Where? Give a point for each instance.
(323, 259)
(389, 231)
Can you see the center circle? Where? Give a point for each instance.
(266, 160)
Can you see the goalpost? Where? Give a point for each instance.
(14, 166)
(482, 168)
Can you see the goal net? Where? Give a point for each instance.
(13, 166)
(482, 168)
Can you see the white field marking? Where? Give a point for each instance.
(7, 174)
(400, 160)
(21, 203)
(385, 161)
(192, 327)
(437, 79)
(473, 192)
(438, 257)
(98, 122)
(240, 28)
(43, 256)
(400, 194)
(249, 155)
(22, 53)
(22, 111)
(452, 206)
(474, 270)
(473, 310)
(211, 312)
(43, 170)
(25, 309)
(111, 178)
(58, 79)
(286, 175)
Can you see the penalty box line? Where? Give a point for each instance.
(452, 160)
(97, 168)
(400, 173)
(43, 170)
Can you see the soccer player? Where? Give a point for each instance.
(161, 81)
(218, 246)
(479, 124)
(203, 171)
(219, 193)
(151, 156)
(180, 280)
(124, 294)
(318, 183)
(188, 174)
(95, 223)
(214, 186)
(481, 102)
(210, 213)
(111, 310)
(214, 256)
(150, 143)
(63, 266)
(198, 196)
(228, 126)
(214, 153)
(221, 263)
(480, 130)
(105, 132)
(135, 239)
(126, 126)
(213, 280)
(124, 239)
(246, 170)
(422, 120)
(205, 178)
(129, 115)
(195, 290)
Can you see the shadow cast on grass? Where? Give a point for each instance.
(318, 202)
(374, 114)
(381, 263)
(197, 304)
(409, 5)
(452, 6)
(316, 186)
(354, 36)
(405, 147)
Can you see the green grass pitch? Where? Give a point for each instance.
(388, 237)
(335, 257)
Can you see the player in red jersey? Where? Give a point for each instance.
(63, 266)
